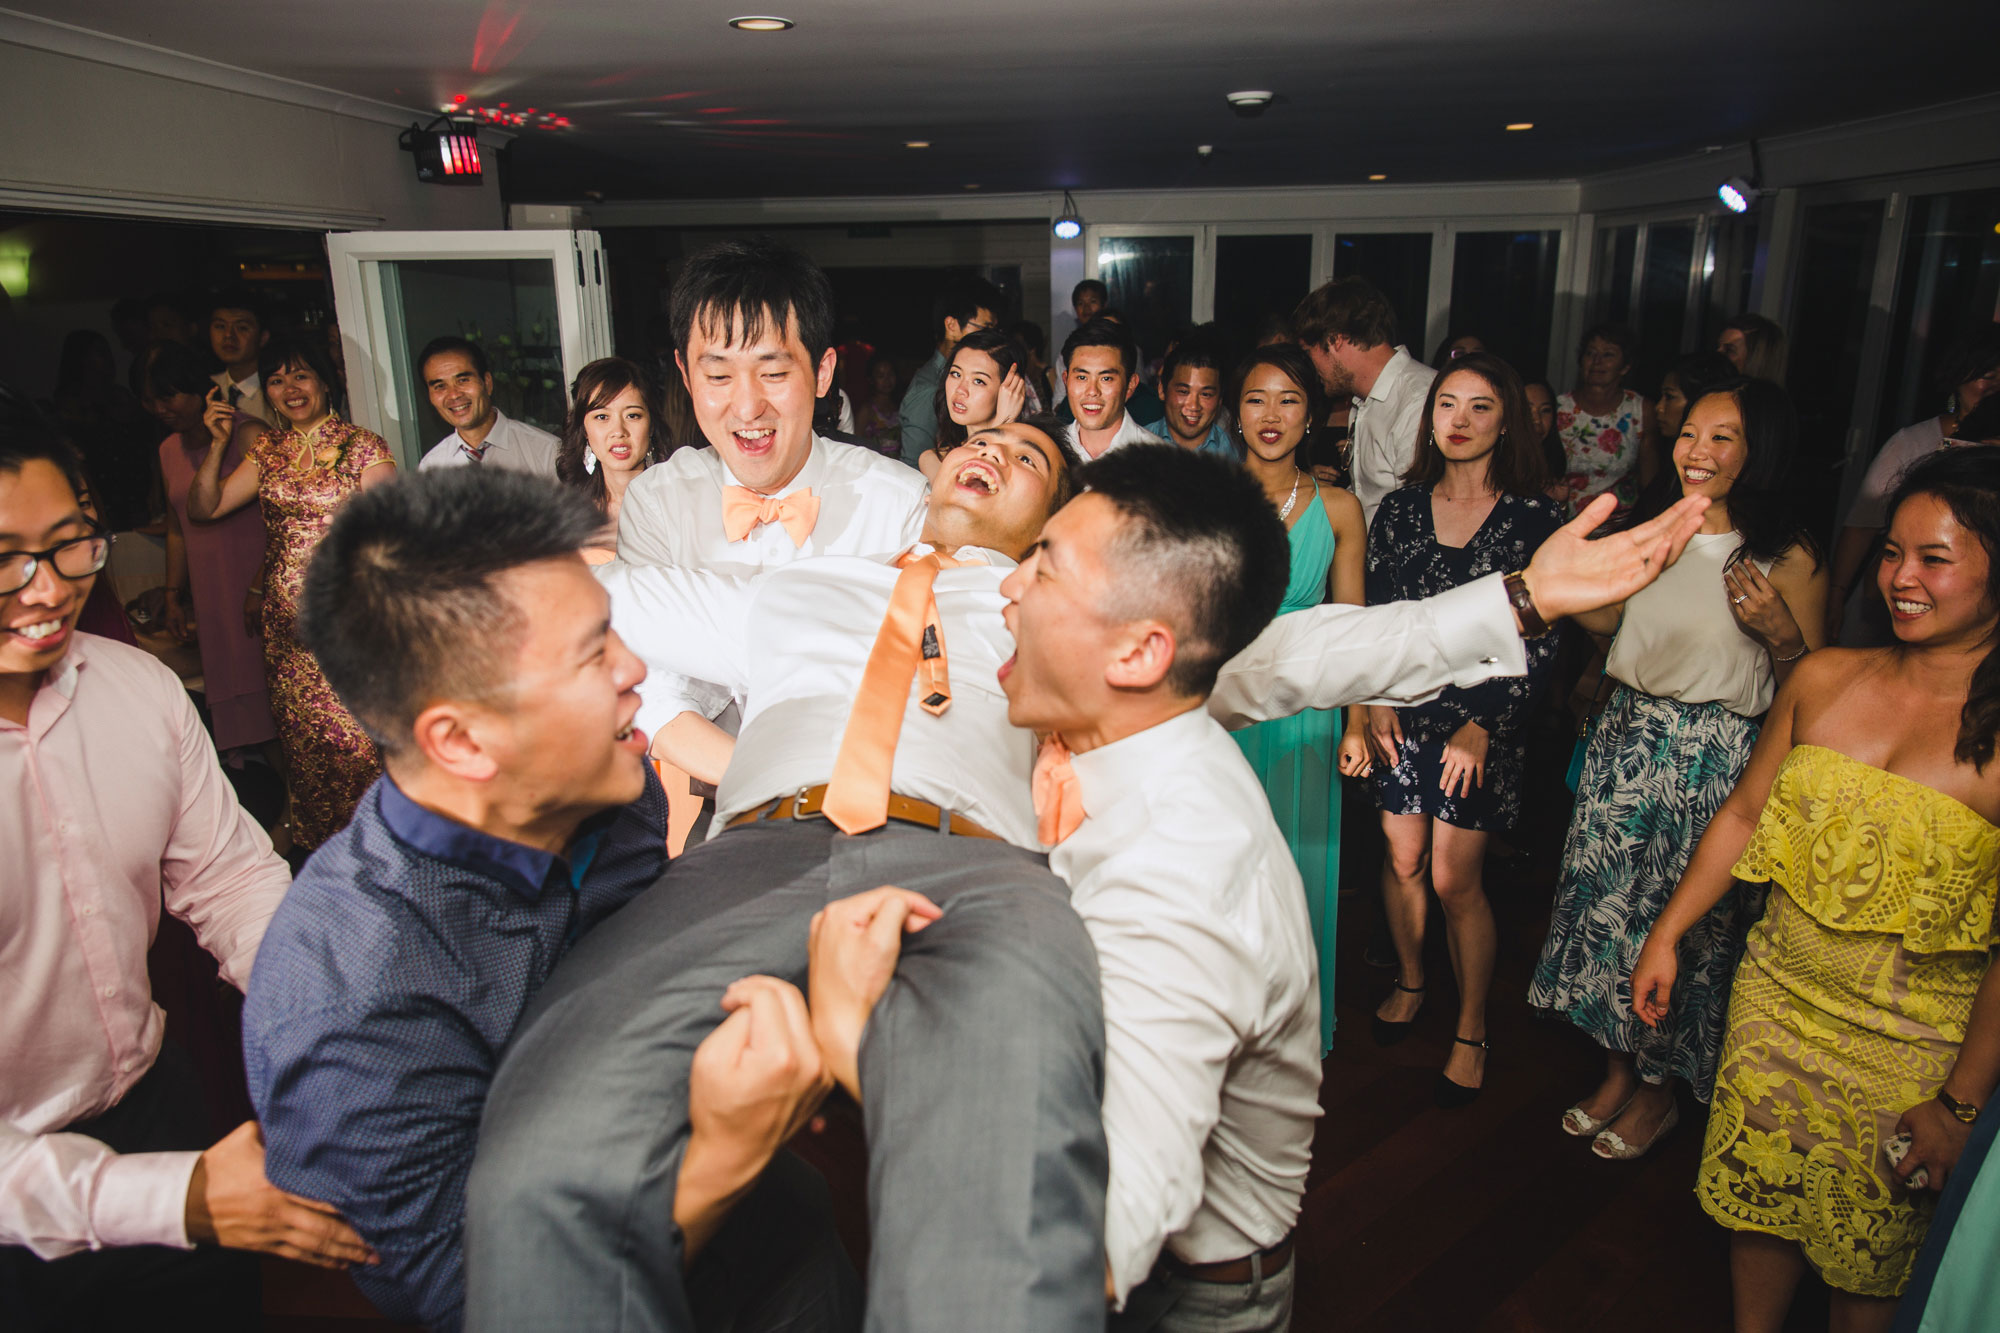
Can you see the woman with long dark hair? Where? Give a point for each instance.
(1697, 658)
(984, 384)
(608, 439)
(1449, 772)
(1865, 1007)
(1278, 400)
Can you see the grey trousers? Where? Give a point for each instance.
(982, 1079)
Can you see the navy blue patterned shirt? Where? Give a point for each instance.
(387, 985)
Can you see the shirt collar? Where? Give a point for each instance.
(494, 434)
(1385, 383)
(809, 475)
(1110, 773)
(524, 869)
(57, 691)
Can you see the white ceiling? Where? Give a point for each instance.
(667, 101)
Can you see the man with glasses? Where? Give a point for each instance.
(967, 306)
(117, 1205)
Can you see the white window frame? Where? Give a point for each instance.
(371, 328)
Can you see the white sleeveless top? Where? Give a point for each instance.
(1680, 639)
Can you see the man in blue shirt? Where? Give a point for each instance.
(966, 306)
(1191, 383)
(455, 619)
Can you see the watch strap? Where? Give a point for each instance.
(1966, 1112)
(1523, 602)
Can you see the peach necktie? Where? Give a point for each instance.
(743, 510)
(1058, 795)
(857, 795)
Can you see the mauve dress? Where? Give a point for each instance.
(329, 760)
(224, 560)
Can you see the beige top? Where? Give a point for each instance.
(1680, 639)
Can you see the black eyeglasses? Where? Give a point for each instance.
(77, 558)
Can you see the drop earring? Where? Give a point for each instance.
(589, 462)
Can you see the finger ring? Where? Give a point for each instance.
(1737, 601)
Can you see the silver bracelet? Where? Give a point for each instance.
(1803, 650)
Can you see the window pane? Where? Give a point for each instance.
(1400, 264)
(1836, 269)
(508, 307)
(1503, 290)
(1950, 286)
(1151, 281)
(1257, 277)
(1611, 274)
(1663, 292)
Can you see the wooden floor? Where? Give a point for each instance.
(1487, 1218)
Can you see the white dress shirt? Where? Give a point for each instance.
(869, 505)
(249, 395)
(793, 644)
(1211, 998)
(511, 444)
(1385, 426)
(111, 799)
(1129, 432)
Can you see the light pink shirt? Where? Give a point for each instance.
(110, 796)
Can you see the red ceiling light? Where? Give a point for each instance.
(446, 152)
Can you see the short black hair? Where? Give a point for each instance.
(1200, 548)
(400, 604)
(738, 286)
(1618, 335)
(1076, 293)
(236, 297)
(283, 350)
(1102, 332)
(451, 342)
(963, 296)
(27, 436)
(1198, 351)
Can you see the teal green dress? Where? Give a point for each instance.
(1296, 759)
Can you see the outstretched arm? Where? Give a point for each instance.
(681, 622)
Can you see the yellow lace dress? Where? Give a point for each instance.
(1848, 1008)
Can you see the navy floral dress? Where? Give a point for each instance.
(1406, 562)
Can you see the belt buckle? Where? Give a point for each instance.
(799, 811)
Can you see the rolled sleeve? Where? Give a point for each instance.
(64, 1193)
(219, 872)
(1400, 654)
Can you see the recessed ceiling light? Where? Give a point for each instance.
(916, 143)
(1521, 125)
(1378, 177)
(761, 23)
(1251, 97)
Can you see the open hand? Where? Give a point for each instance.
(230, 1203)
(854, 946)
(1464, 761)
(1572, 573)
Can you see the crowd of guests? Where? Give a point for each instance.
(1777, 886)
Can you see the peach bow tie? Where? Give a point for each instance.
(1058, 795)
(743, 509)
(857, 795)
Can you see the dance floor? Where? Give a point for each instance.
(1483, 1220)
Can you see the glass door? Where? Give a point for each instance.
(535, 302)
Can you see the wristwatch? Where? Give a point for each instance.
(1523, 602)
(1965, 1111)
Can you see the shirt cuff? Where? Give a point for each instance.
(141, 1199)
(1476, 632)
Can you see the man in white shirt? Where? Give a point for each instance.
(455, 373)
(1086, 301)
(1349, 329)
(990, 1035)
(754, 322)
(1100, 366)
(115, 1195)
(1135, 597)
(236, 333)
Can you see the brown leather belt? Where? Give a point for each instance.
(1236, 1271)
(806, 802)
